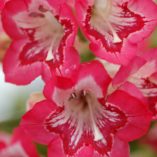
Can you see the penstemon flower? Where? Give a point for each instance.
(142, 71)
(114, 27)
(41, 32)
(85, 118)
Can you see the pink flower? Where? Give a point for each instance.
(114, 27)
(78, 118)
(19, 145)
(41, 33)
(142, 71)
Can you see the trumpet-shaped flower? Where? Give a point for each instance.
(41, 31)
(142, 71)
(114, 27)
(78, 118)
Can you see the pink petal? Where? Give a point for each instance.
(55, 149)
(9, 11)
(120, 148)
(14, 71)
(123, 74)
(138, 116)
(95, 69)
(26, 142)
(33, 122)
(58, 96)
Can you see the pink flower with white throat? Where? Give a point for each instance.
(78, 118)
(142, 72)
(41, 31)
(114, 27)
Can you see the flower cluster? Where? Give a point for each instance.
(91, 108)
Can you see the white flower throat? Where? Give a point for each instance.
(81, 111)
(108, 18)
(85, 103)
(100, 19)
(41, 26)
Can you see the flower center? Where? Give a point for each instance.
(85, 102)
(110, 22)
(102, 10)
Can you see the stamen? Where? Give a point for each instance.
(49, 54)
(56, 35)
(97, 133)
(73, 95)
(116, 38)
(84, 92)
